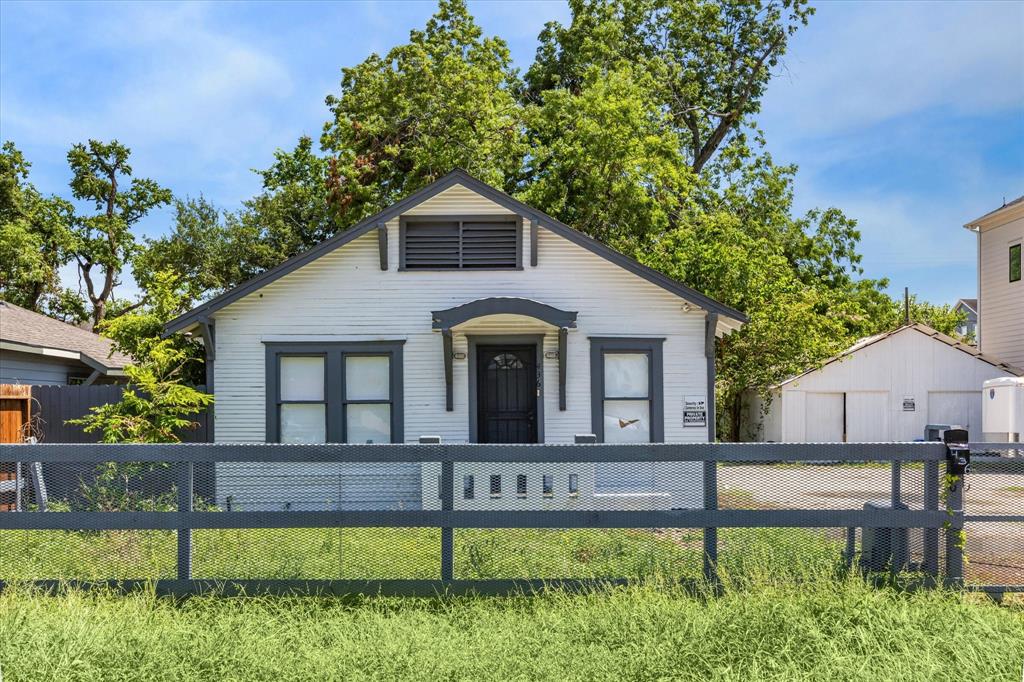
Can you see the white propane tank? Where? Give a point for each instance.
(1002, 409)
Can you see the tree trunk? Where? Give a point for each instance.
(99, 312)
(736, 410)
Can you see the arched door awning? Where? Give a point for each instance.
(503, 305)
(445, 320)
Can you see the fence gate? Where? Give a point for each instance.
(15, 411)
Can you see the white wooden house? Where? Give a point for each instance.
(463, 313)
(883, 388)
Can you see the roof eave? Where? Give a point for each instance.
(458, 176)
(63, 354)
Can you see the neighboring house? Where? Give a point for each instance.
(36, 349)
(969, 327)
(883, 388)
(1000, 286)
(463, 313)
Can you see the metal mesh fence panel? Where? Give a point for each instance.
(574, 553)
(994, 525)
(827, 485)
(87, 555)
(316, 553)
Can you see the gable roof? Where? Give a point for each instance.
(458, 176)
(923, 329)
(1010, 210)
(29, 332)
(969, 303)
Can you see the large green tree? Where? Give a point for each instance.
(711, 61)
(445, 99)
(35, 239)
(104, 242)
(635, 124)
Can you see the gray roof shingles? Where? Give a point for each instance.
(18, 325)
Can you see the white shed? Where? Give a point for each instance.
(883, 388)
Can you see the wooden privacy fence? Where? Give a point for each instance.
(42, 413)
(545, 489)
(55, 405)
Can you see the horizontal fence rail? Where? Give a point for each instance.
(457, 452)
(454, 489)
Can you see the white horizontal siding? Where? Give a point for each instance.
(345, 295)
(1000, 302)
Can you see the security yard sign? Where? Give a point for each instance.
(695, 410)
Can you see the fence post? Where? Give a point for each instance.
(447, 494)
(898, 537)
(710, 466)
(956, 466)
(185, 484)
(711, 534)
(931, 503)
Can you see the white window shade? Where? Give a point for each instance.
(627, 421)
(302, 378)
(367, 377)
(626, 375)
(368, 423)
(303, 423)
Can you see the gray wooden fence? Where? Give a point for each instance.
(934, 518)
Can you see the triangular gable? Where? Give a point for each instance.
(917, 327)
(201, 313)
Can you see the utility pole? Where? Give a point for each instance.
(906, 305)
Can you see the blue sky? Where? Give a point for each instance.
(908, 116)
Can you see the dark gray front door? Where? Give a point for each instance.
(506, 394)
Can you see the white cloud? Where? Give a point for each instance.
(171, 77)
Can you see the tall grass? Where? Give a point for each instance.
(380, 553)
(826, 629)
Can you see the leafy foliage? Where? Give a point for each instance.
(159, 399)
(34, 240)
(155, 406)
(445, 99)
(711, 61)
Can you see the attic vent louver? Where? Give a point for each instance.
(461, 243)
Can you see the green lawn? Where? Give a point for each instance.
(822, 630)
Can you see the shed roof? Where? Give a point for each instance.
(27, 331)
(921, 328)
(458, 176)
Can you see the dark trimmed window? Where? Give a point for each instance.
(495, 485)
(467, 487)
(627, 390)
(334, 392)
(460, 243)
(574, 484)
(521, 485)
(1015, 263)
(547, 485)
